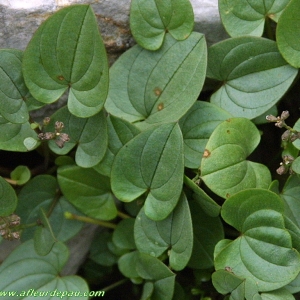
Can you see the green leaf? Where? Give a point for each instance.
(119, 133)
(296, 165)
(13, 91)
(224, 167)
(247, 17)
(20, 174)
(123, 234)
(254, 75)
(151, 19)
(162, 278)
(149, 87)
(39, 193)
(207, 231)
(43, 241)
(8, 198)
(263, 252)
(287, 33)
(127, 265)
(67, 52)
(278, 295)
(89, 135)
(151, 162)
(208, 205)
(17, 137)
(88, 191)
(28, 270)
(175, 234)
(195, 133)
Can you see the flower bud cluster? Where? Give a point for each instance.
(7, 226)
(279, 121)
(285, 165)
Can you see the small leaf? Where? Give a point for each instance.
(88, 134)
(225, 169)
(27, 269)
(287, 33)
(148, 87)
(174, 234)
(88, 191)
(20, 174)
(123, 234)
(67, 52)
(254, 75)
(151, 19)
(263, 252)
(127, 265)
(151, 162)
(8, 198)
(247, 17)
(195, 133)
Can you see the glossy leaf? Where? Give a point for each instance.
(197, 125)
(287, 33)
(247, 17)
(175, 234)
(39, 193)
(254, 75)
(67, 52)
(207, 231)
(151, 19)
(13, 137)
(88, 191)
(20, 174)
(151, 162)
(119, 133)
(89, 135)
(27, 269)
(224, 167)
(8, 198)
(153, 270)
(263, 252)
(13, 91)
(157, 87)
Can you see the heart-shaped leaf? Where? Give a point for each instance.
(195, 133)
(119, 133)
(151, 162)
(151, 19)
(40, 193)
(263, 252)
(88, 191)
(88, 134)
(8, 198)
(28, 270)
(247, 17)
(67, 52)
(287, 33)
(158, 274)
(254, 75)
(224, 167)
(157, 87)
(174, 234)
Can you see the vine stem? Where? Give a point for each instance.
(114, 285)
(85, 219)
(123, 215)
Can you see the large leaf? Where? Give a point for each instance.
(88, 191)
(254, 75)
(224, 167)
(40, 193)
(28, 270)
(156, 87)
(89, 135)
(197, 125)
(151, 19)
(152, 162)
(67, 52)
(175, 234)
(263, 252)
(8, 198)
(287, 33)
(13, 91)
(247, 17)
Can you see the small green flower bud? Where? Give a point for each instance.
(46, 121)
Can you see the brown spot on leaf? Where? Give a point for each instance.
(228, 131)
(61, 78)
(160, 106)
(206, 153)
(228, 120)
(157, 91)
(227, 195)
